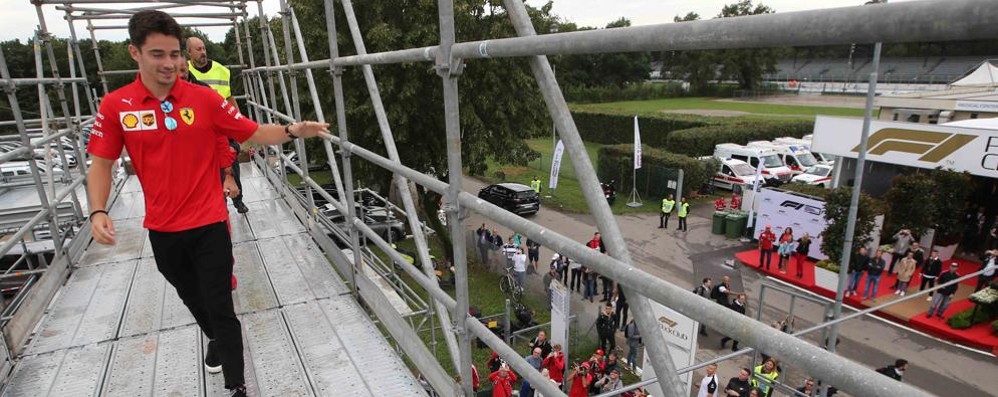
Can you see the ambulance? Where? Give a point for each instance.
(773, 167)
(796, 157)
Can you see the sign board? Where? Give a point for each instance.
(680, 333)
(560, 312)
(671, 184)
(977, 106)
(803, 214)
(910, 144)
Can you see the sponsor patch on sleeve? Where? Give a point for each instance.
(129, 121)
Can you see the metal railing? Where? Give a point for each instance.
(910, 21)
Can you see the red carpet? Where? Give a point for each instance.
(979, 336)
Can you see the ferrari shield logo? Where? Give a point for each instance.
(187, 114)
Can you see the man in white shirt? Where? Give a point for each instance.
(509, 249)
(989, 264)
(710, 384)
(520, 267)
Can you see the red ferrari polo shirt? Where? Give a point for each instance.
(172, 144)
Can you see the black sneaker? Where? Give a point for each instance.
(212, 362)
(238, 391)
(241, 208)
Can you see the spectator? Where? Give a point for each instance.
(605, 329)
(589, 277)
(721, 291)
(580, 378)
(620, 307)
(554, 362)
(766, 239)
(577, 277)
(541, 341)
(755, 392)
(739, 385)
(988, 264)
(518, 239)
(704, 290)
(612, 363)
(857, 266)
(607, 288)
(558, 264)
(520, 268)
(546, 375)
(808, 388)
(895, 371)
(633, 336)
(768, 374)
(495, 362)
(709, 384)
(803, 247)
(785, 249)
(597, 243)
(941, 300)
(738, 306)
(496, 240)
(917, 255)
(502, 381)
(683, 212)
(930, 272)
(610, 382)
(905, 270)
(873, 271)
(484, 239)
(533, 253)
(509, 250)
(548, 278)
(535, 360)
(902, 240)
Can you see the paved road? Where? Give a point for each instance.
(684, 258)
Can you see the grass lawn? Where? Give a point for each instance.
(766, 110)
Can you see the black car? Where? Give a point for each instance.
(514, 197)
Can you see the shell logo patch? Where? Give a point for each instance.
(129, 121)
(187, 115)
(142, 120)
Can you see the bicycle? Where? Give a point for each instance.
(509, 286)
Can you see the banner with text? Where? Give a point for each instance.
(781, 209)
(559, 150)
(680, 334)
(560, 313)
(637, 144)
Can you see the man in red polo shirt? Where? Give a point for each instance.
(169, 128)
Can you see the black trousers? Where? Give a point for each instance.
(198, 263)
(621, 310)
(607, 287)
(928, 282)
(663, 219)
(576, 279)
(682, 223)
(607, 342)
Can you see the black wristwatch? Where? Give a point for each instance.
(287, 130)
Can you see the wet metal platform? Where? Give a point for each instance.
(117, 328)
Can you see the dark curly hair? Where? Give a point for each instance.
(144, 23)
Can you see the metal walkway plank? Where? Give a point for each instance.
(275, 359)
(298, 270)
(88, 310)
(272, 219)
(257, 189)
(153, 303)
(65, 373)
(254, 292)
(130, 236)
(323, 354)
(127, 206)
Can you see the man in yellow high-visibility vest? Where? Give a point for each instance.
(216, 76)
(684, 210)
(668, 204)
(536, 184)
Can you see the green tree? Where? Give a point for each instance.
(500, 104)
(837, 213)
(601, 70)
(747, 65)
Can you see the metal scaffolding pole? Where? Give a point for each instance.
(449, 69)
(296, 107)
(401, 183)
(833, 332)
(97, 57)
(661, 359)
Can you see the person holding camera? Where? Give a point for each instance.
(502, 381)
(610, 382)
(902, 241)
(581, 378)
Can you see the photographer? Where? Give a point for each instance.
(902, 240)
(610, 382)
(580, 378)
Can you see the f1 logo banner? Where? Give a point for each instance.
(803, 214)
(911, 144)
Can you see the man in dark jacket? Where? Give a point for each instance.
(739, 306)
(605, 328)
(873, 272)
(857, 266)
(933, 267)
(941, 300)
(895, 371)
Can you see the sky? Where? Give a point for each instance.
(20, 18)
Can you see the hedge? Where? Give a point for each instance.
(614, 160)
(700, 141)
(612, 129)
(629, 92)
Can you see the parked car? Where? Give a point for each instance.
(513, 197)
(817, 175)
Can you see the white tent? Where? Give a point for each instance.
(985, 75)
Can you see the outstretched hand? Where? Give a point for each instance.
(309, 129)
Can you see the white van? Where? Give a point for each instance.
(734, 173)
(796, 157)
(773, 166)
(806, 143)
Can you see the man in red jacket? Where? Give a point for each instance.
(766, 247)
(555, 364)
(502, 381)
